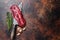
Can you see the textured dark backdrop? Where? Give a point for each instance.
(42, 17)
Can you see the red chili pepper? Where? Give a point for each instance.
(17, 14)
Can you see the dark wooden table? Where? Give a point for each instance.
(42, 18)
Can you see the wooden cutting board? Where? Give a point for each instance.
(42, 18)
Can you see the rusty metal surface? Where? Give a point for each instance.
(42, 17)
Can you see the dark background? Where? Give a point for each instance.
(42, 18)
